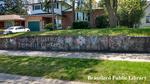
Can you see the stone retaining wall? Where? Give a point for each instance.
(78, 43)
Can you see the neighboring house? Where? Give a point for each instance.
(145, 21)
(81, 15)
(84, 15)
(11, 20)
(82, 12)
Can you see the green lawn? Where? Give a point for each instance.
(75, 69)
(1, 30)
(88, 32)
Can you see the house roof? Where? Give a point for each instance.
(44, 14)
(11, 17)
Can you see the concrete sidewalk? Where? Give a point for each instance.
(84, 55)
(16, 79)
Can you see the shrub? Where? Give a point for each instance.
(130, 12)
(102, 22)
(49, 26)
(80, 25)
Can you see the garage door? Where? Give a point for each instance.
(34, 25)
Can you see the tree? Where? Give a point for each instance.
(13, 7)
(2, 9)
(111, 7)
(19, 8)
(90, 11)
(73, 10)
(49, 8)
(47, 5)
(131, 12)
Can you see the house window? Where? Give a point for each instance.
(147, 19)
(56, 5)
(37, 7)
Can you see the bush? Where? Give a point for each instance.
(49, 26)
(102, 22)
(130, 12)
(80, 25)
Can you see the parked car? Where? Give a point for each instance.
(15, 29)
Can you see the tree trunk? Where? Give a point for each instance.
(53, 15)
(73, 10)
(113, 21)
(90, 13)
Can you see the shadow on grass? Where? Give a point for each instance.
(65, 69)
(75, 69)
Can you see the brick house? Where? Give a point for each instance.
(11, 20)
(37, 18)
(82, 15)
(67, 18)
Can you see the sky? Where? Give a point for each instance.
(97, 0)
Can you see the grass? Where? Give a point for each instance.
(1, 30)
(87, 32)
(75, 69)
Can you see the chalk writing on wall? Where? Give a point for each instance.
(80, 40)
(87, 43)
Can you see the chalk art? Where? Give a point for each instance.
(80, 40)
(93, 40)
(90, 43)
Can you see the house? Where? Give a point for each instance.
(145, 21)
(67, 18)
(11, 20)
(82, 15)
(37, 18)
